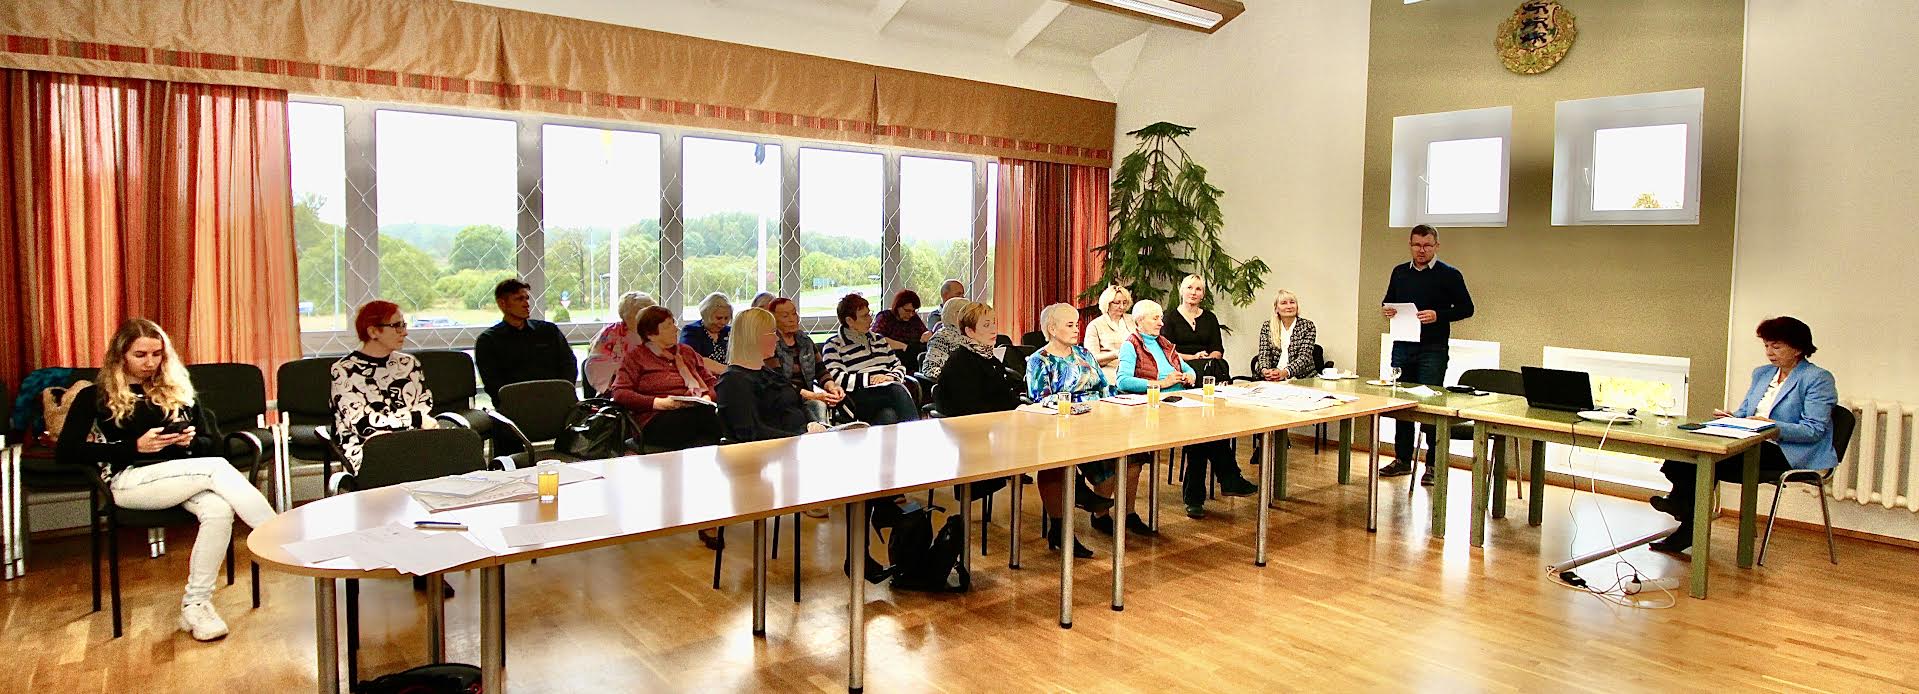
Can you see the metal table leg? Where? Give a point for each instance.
(1065, 522)
(436, 618)
(1012, 520)
(1118, 514)
(1372, 478)
(856, 601)
(1480, 485)
(1536, 467)
(964, 498)
(326, 635)
(1278, 449)
(1266, 456)
(1702, 513)
(1152, 493)
(1441, 466)
(1346, 451)
(759, 577)
(1502, 453)
(1748, 504)
(492, 629)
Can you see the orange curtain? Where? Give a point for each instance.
(1050, 217)
(141, 198)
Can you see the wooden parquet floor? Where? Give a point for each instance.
(1337, 609)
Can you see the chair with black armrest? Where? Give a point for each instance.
(235, 395)
(400, 457)
(1033, 339)
(454, 383)
(40, 472)
(533, 412)
(1843, 423)
(303, 396)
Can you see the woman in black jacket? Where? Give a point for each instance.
(972, 381)
(156, 449)
(757, 403)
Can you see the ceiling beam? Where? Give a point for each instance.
(883, 14)
(1035, 23)
(1227, 9)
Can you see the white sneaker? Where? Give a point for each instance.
(200, 619)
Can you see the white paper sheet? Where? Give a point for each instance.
(1746, 423)
(362, 543)
(1404, 325)
(1419, 391)
(559, 531)
(435, 552)
(569, 473)
(1725, 431)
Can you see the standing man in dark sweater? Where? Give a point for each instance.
(519, 348)
(1439, 290)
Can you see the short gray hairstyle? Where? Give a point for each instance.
(1147, 307)
(712, 304)
(1053, 315)
(631, 303)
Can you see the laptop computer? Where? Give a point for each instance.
(1556, 389)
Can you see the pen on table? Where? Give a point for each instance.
(438, 525)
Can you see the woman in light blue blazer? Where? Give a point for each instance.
(1791, 392)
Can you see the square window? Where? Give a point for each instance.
(1451, 168)
(1639, 168)
(1463, 176)
(1631, 159)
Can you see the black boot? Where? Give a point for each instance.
(1084, 497)
(1052, 540)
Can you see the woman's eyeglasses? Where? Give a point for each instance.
(396, 325)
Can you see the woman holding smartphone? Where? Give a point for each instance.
(156, 449)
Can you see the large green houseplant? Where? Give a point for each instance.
(1165, 225)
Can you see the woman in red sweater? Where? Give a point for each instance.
(666, 388)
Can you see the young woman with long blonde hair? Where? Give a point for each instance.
(156, 449)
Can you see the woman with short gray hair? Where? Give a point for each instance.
(709, 334)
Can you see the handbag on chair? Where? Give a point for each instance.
(597, 428)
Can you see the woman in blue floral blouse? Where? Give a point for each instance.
(1064, 369)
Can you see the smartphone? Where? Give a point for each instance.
(1170, 398)
(175, 427)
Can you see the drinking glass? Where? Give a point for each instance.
(549, 482)
(1666, 406)
(1065, 403)
(1152, 394)
(1206, 386)
(1394, 372)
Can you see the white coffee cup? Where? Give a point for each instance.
(1329, 372)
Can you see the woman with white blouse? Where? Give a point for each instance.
(1106, 334)
(1286, 342)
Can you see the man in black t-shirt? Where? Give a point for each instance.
(520, 348)
(1439, 291)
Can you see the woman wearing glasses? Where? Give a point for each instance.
(378, 388)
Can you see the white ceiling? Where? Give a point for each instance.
(1042, 44)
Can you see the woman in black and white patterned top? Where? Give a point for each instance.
(865, 366)
(378, 388)
(1286, 342)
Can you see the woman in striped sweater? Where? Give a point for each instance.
(866, 368)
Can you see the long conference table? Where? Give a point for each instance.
(668, 493)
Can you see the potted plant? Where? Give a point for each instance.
(1165, 225)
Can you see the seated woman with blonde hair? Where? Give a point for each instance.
(1287, 352)
(613, 342)
(156, 448)
(1107, 333)
(757, 402)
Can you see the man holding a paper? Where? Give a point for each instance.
(1789, 393)
(1423, 299)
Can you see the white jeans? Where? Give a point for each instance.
(212, 491)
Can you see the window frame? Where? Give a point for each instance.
(360, 252)
(1414, 134)
(1577, 124)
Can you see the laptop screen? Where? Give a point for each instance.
(1557, 389)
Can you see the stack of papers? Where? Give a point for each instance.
(393, 545)
(1128, 400)
(1734, 427)
(560, 531)
(489, 487)
(1285, 397)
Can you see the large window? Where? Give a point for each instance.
(840, 235)
(601, 219)
(318, 148)
(431, 207)
(732, 218)
(1630, 159)
(1450, 169)
(936, 224)
(448, 211)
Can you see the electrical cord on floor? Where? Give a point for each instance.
(1626, 586)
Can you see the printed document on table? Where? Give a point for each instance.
(1725, 431)
(362, 545)
(1404, 324)
(560, 531)
(436, 552)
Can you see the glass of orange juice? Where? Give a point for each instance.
(549, 481)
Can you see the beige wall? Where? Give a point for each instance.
(1828, 196)
(1278, 97)
(1641, 289)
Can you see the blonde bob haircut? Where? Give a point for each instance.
(1055, 315)
(170, 388)
(1283, 295)
(711, 305)
(1196, 279)
(971, 315)
(1112, 293)
(744, 350)
(630, 305)
(952, 308)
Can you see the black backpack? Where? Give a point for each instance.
(443, 678)
(595, 429)
(926, 562)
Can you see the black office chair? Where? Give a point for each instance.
(40, 472)
(235, 395)
(454, 383)
(1492, 381)
(533, 412)
(1843, 423)
(114, 517)
(302, 397)
(1033, 339)
(397, 458)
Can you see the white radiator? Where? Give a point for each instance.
(1880, 466)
